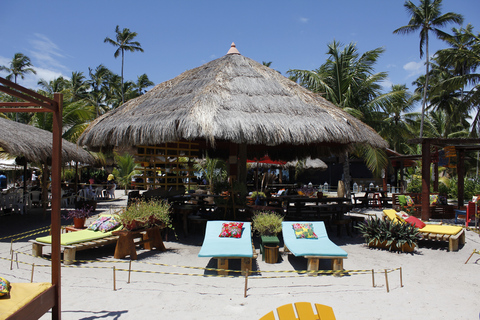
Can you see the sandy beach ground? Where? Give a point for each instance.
(437, 284)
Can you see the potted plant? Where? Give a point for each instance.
(257, 198)
(79, 216)
(267, 223)
(389, 235)
(143, 214)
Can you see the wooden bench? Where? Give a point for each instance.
(69, 251)
(453, 240)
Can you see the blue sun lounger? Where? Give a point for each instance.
(313, 249)
(224, 249)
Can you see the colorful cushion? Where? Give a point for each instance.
(401, 200)
(231, 230)
(304, 231)
(4, 287)
(434, 199)
(414, 221)
(95, 225)
(402, 215)
(108, 225)
(409, 201)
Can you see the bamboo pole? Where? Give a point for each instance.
(401, 277)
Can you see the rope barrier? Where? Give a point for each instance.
(30, 233)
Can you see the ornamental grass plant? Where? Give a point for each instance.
(267, 223)
(146, 214)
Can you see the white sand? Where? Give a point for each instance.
(437, 284)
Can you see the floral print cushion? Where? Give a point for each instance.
(4, 287)
(434, 199)
(231, 230)
(304, 231)
(109, 225)
(409, 201)
(95, 225)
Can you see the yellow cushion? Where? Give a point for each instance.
(436, 228)
(20, 295)
(391, 214)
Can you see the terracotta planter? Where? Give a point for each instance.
(78, 223)
(134, 225)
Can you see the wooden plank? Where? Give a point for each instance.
(37, 307)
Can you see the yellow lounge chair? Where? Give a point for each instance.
(304, 312)
(453, 234)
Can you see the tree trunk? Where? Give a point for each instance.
(346, 175)
(424, 102)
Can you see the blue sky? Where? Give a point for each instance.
(65, 36)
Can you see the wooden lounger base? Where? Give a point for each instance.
(453, 240)
(69, 251)
(222, 265)
(37, 307)
(313, 263)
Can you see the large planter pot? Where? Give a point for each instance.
(395, 247)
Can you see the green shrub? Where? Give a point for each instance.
(267, 223)
(377, 230)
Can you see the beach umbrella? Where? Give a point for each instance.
(233, 100)
(308, 164)
(35, 144)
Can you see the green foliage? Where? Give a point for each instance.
(267, 223)
(393, 234)
(68, 175)
(415, 185)
(148, 214)
(125, 169)
(256, 194)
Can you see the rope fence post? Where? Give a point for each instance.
(401, 277)
(11, 260)
(114, 284)
(386, 280)
(129, 270)
(31, 277)
(373, 278)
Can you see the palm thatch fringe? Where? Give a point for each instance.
(36, 144)
(234, 99)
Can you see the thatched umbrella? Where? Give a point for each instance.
(233, 99)
(36, 144)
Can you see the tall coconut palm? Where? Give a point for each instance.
(427, 18)
(348, 80)
(19, 66)
(98, 82)
(142, 83)
(124, 43)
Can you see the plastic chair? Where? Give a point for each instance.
(110, 193)
(304, 312)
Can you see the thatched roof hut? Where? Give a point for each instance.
(35, 144)
(233, 99)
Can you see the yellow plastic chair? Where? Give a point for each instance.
(304, 312)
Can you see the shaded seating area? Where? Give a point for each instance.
(453, 234)
(224, 244)
(438, 208)
(302, 311)
(314, 245)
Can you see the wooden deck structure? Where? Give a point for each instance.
(34, 102)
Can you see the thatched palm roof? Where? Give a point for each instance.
(36, 144)
(233, 99)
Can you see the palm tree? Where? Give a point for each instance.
(124, 43)
(98, 83)
(142, 83)
(19, 66)
(78, 86)
(427, 18)
(125, 169)
(348, 80)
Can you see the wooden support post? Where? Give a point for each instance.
(426, 180)
(31, 276)
(246, 284)
(461, 176)
(56, 203)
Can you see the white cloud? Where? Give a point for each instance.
(414, 68)
(46, 53)
(386, 84)
(303, 19)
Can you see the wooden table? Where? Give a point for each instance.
(150, 238)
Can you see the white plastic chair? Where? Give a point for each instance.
(110, 193)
